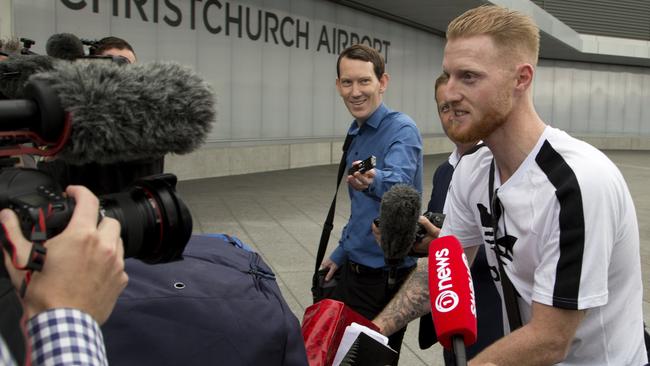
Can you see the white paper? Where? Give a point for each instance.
(350, 335)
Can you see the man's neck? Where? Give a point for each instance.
(514, 140)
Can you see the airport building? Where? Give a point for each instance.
(272, 64)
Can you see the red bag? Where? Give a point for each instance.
(322, 329)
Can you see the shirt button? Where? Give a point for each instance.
(356, 153)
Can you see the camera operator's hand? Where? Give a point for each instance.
(331, 266)
(432, 233)
(84, 266)
(361, 181)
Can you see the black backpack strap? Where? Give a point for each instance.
(328, 225)
(11, 316)
(509, 292)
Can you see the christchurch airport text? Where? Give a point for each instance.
(229, 19)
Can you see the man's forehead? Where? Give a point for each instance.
(467, 53)
(348, 67)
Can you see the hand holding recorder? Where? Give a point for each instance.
(362, 173)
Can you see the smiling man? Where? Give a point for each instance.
(553, 211)
(393, 138)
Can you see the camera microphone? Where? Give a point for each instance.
(122, 113)
(65, 46)
(453, 306)
(15, 71)
(398, 215)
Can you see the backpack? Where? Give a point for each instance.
(219, 305)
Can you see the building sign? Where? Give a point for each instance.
(224, 18)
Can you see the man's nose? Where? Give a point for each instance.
(453, 91)
(355, 90)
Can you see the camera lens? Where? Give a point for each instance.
(156, 224)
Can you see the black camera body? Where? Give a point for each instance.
(435, 218)
(155, 224)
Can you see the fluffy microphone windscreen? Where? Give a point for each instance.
(16, 70)
(453, 306)
(65, 46)
(123, 113)
(398, 217)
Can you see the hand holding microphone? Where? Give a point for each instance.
(403, 231)
(451, 290)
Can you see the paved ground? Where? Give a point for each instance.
(280, 214)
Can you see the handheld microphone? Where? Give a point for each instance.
(398, 215)
(122, 113)
(15, 71)
(64, 46)
(453, 306)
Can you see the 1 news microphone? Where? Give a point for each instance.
(453, 305)
(117, 113)
(398, 215)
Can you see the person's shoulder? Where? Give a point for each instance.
(398, 117)
(563, 158)
(473, 166)
(586, 161)
(478, 156)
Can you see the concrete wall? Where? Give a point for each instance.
(5, 18)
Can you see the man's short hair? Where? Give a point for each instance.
(441, 80)
(9, 46)
(363, 53)
(514, 33)
(108, 43)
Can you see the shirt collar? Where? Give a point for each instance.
(374, 121)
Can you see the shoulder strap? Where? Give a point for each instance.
(12, 317)
(328, 225)
(509, 292)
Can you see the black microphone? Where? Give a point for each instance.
(64, 46)
(398, 217)
(120, 113)
(15, 71)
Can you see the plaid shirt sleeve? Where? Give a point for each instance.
(66, 337)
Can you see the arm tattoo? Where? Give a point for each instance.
(410, 302)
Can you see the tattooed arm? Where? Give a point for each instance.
(410, 302)
(412, 299)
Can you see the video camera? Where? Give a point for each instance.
(156, 224)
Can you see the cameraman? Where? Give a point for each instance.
(114, 46)
(75, 291)
(105, 178)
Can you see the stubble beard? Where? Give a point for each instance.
(492, 119)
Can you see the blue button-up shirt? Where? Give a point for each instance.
(395, 140)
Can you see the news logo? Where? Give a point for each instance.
(448, 299)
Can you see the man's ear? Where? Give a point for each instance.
(383, 82)
(525, 75)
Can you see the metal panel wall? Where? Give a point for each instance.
(271, 62)
(593, 98)
(613, 18)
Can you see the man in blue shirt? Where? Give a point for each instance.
(393, 138)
